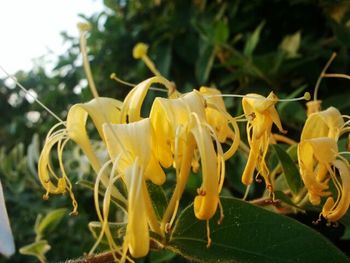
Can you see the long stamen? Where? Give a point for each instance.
(336, 75)
(140, 52)
(317, 86)
(83, 28)
(31, 95)
(208, 234)
(306, 96)
(282, 138)
(114, 77)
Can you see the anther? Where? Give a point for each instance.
(46, 196)
(167, 228)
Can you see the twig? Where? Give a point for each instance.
(98, 258)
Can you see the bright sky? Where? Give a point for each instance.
(31, 28)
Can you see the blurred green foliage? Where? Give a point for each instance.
(237, 46)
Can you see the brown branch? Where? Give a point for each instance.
(98, 258)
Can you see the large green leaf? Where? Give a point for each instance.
(250, 234)
(290, 170)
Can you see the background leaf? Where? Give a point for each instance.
(50, 222)
(250, 234)
(253, 40)
(290, 170)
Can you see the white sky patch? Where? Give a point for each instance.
(31, 29)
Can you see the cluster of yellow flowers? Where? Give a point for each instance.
(185, 131)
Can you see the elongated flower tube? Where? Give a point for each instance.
(137, 233)
(261, 114)
(213, 169)
(132, 144)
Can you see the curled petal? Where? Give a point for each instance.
(316, 188)
(327, 123)
(333, 211)
(131, 110)
(101, 110)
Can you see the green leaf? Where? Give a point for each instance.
(117, 229)
(164, 57)
(253, 40)
(37, 249)
(221, 32)
(50, 221)
(290, 170)
(279, 195)
(250, 234)
(204, 62)
(158, 198)
(161, 256)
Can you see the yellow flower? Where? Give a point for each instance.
(183, 131)
(130, 145)
(261, 114)
(319, 159)
(314, 157)
(100, 110)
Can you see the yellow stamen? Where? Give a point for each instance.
(83, 28)
(317, 86)
(114, 77)
(282, 138)
(208, 234)
(140, 52)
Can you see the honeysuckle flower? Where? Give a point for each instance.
(100, 110)
(132, 146)
(7, 244)
(261, 114)
(182, 129)
(319, 159)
